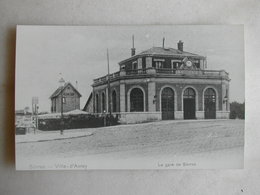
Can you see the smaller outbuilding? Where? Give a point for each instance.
(66, 98)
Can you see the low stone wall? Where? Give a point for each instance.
(139, 117)
(222, 114)
(178, 115)
(200, 114)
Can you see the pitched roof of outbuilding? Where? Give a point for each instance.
(161, 51)
(60, 89)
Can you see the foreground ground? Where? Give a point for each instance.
(164, 144)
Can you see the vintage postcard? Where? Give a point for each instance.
(130, 97)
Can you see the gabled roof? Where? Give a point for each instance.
(60, 89)
(161, 51)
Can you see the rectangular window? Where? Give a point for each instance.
(196, 63)
(123, 67)
(175, 64)
(159, 63)
(134, 65)
(63, 100)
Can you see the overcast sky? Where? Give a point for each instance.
(79, 53)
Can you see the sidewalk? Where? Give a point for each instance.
(42, 136)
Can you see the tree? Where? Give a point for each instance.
(237, 110)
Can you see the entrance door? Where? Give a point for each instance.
(210, 104)
(189, 105)
(167, 104)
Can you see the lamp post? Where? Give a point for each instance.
(105, 120)
(225, 99)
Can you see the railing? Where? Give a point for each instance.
(192, 72)
(164, 71)
(135, 72)
(105, 78)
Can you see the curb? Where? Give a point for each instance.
(55, 139)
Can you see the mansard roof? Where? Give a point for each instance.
(60, 89)
(164, 52)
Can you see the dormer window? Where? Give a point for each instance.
(175, 64)
(196, 63)
(134, 65)
(158, 63)
(123, 67)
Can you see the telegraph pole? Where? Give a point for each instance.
(61, 112)
(108, 87)
(35, 101)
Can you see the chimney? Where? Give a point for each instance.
(180, 45)
(133, 48)
(163, 42)
(61, 82)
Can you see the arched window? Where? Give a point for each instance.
(189, 93)
(210, 103)
(114, 101)
(103, 102)
(210, 94)
(136, 100)
(97, 103)
(189, 104)
(167, 103)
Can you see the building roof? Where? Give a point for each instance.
(161, 51)
(166, 51)
(60, 89)
(88, 101)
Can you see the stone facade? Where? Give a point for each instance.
(154, 84)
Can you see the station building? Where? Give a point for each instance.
(162, 84)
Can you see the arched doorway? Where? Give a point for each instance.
(167, 103)
(136, 100)
(189, 105)
(210, 103)
(114, 101)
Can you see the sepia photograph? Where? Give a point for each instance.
(129, 97)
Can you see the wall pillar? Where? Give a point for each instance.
(151, 94)
(178, 115)
(149, 62)
(107, 100)
(122, 97)
(139, 63)
(228, 102)
(222, 96)
(200, 114)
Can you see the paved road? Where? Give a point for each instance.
(157, 140)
